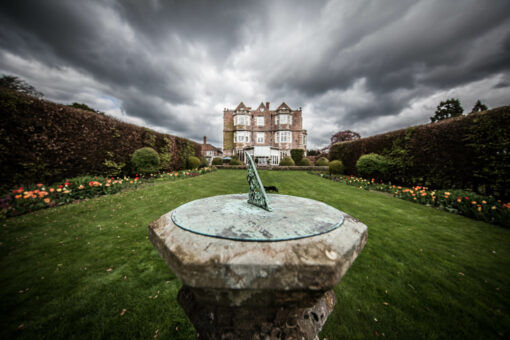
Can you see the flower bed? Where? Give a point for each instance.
(485, 208)
(27, 199)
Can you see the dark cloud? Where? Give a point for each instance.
(174, 65)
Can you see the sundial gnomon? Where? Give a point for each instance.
(257, 195)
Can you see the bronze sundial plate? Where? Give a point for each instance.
(232, 217)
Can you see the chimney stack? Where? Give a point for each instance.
(205, 140)
(267, 105)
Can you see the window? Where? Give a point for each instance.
(276, 137)
(209, 153)
(260, 120)
(242, 120)
(241, 137)
(260, 137)
(303, 139)
(284, 119)
(285, 136)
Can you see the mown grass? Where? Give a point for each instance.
(69, 272)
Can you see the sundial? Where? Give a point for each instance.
(257, 265)
(257, 216)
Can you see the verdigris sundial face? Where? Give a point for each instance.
(257, 216)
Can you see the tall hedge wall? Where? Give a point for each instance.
(41, 141)
(469, 152)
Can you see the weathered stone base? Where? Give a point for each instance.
(302, 320)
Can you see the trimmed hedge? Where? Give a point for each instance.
(468, 152)
(336, 167)
(145, 160)
(235, 161)
(193, 162)
(278, 168)
(373, 165)
(323, 161)
(217, 161)
(305, 162)
(297, 155)
(41, 141)
(287, 161)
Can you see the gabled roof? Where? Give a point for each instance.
(283, 105)
(241, 106)
(210, 147)
(261, 106)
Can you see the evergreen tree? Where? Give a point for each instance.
(479, 106)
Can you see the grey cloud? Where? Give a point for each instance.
(167, 61)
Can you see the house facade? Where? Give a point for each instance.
(210, 151)
(267, 135)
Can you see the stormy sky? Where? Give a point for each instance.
(368, 66)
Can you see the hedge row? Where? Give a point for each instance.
(41, 141)
(469, 152)
(281, 168)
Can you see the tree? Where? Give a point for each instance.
(448, 109)
(479, 106)
(343, 136)
(82, 107)
(19, 85)
(297, 155)
(340, 136)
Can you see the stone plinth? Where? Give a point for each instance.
(236, 289)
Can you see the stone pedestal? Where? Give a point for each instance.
(301, 319)
(234, 289)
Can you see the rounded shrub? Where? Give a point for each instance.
(235, 161)
(193, 162)
(305, 162)
(373, 165)
(287, 161)
(204, 162)
(336, 167)
(145, 160)
(323, 161)
(217, 161)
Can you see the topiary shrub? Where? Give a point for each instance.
(235, 161)
(297, 155)
(323, 161)
(373, 165)
(217, 161)
(336, 167)
(305, 162)
(287, 161)
(193, 162)
(145, 160)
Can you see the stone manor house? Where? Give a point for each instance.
(267, 135)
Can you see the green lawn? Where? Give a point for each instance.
(68, 272)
